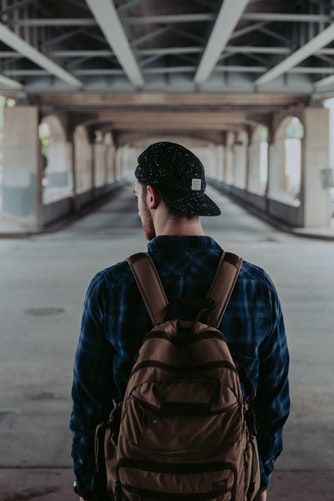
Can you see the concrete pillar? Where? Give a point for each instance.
(93, 169)
(316, 199)
(59, 164)
(118, 160)
(240, 162)
(100, 164)
(83, 160)
(254, 182)
(22, 175)
(229, 178)
(109, 157)
(277, 176)
(220, 151)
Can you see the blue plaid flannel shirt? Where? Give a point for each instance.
(115, 320)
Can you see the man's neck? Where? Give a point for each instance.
(183, 227)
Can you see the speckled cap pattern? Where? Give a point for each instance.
(178, 175)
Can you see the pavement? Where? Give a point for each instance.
(43, 282)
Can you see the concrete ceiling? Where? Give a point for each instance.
(107, 47)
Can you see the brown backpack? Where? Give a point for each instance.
(184, 430)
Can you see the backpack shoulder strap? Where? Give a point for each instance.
(150, 285)
(222, 286)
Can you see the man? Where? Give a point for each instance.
(170, 187)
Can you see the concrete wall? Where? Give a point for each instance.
(22, 190)
(83, 160)
(316, 199)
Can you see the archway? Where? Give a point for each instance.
(286, 161)
(55, 159)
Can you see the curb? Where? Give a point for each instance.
(274, 222)
(66, 220)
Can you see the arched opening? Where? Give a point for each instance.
(258, 161)
(286, 161)
(294, 133)
(55, 160)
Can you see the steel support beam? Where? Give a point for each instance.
(228, 17)
(307, 50)
(170, 19)
(268, 17)
(54, 21)
(302, 70)
(9, 83)
(108, 19)
(9, 38)
(271, 17)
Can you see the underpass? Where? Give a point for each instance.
(40, 332)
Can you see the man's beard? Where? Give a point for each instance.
(147, 223)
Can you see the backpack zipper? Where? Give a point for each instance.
(139, 494)
(177, 468)
(184, 369)
(178, 405)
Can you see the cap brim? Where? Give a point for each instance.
(197, 203)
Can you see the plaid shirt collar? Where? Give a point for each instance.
(182, 242)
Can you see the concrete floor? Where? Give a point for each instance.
(43, 281)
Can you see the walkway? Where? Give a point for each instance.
(39, 334)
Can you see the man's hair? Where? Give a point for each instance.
(172, 211)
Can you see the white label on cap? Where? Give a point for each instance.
(196, 184)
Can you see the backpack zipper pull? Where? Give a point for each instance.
(152, 418)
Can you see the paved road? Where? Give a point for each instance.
(43, 280)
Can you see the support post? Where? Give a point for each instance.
(22, 179)
(315, 198)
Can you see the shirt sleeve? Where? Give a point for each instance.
(92, 386)
(273, 389)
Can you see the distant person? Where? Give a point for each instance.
(170, 188)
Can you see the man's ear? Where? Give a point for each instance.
(153, 198)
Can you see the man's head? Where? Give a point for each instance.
(170, 184)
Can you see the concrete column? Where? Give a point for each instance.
(316, 199)
(118, 163)
(83, 160)
(22, 187)
(220, 162)
(229, 158)
(240, 164)
(100, 164)
(93, 170)
(277, 176)
(254, 184)
(59, 164)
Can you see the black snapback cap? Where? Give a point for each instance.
(178, 175)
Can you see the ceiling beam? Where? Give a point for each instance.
(244, 49)
(271, 17)
(55, 21)
(108, 19)
(324, 82)
(180, 100)
(9, 83)
(172, 18)
(9, 38)
(268, 17)
(303, 70)
(227, 19)
(307, 50)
